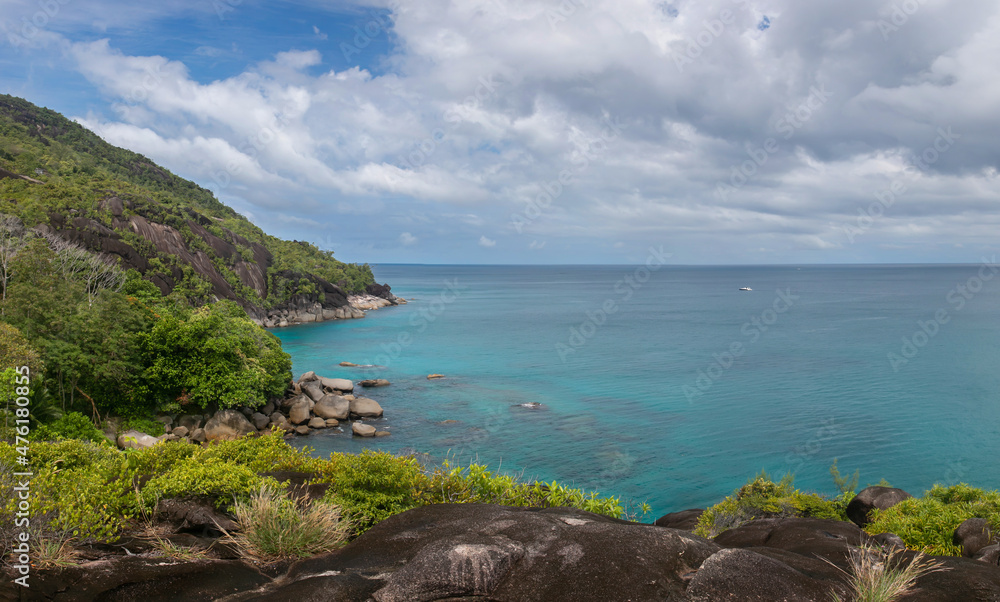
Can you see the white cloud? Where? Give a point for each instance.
(505, 113)
(486, 242)
(407, 239)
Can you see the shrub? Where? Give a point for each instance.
(273, 526)
(261, 454)
(73, 425)
(928, 523)
(763, 498)
(81, 489)
(371, 486)
(476, 484)
(223, 483)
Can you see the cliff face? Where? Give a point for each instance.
(175, 233)
(250, 270)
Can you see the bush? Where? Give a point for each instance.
(80, 489)
(73, 425)
(273, 526)
(371, 486)
(222, 483)
(763, 498)
(476, 484)
(261, 454)
(928, 523)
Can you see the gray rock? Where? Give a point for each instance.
(181, 431)
(191, 421)
(246, 412)
(288, 402)
(375, 382)
(871, 498)
(277, 418)
(685, 520)
(313, 389)
(338, 384)
(989, 555)
(332, 406)
(973, 535)
(165, 419)
(486, 552)
(365, 408)
(361, 429)
(228, 424)
(302, 430)
(332, 422)
(260, 421)
(317, 423)
(268, 408)
(133, 439)
(308, 376)
(383, 434)
(198, 435)
(752, 576)
(299, 412)
(890, 541)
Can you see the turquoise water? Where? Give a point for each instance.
(645, 402)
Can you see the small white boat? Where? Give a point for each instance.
(746, 288)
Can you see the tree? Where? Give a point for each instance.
(12, 240)
(216, 356)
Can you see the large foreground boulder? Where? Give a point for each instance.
(447, 551)
(736, 574)
(228, 424)
(870, 498)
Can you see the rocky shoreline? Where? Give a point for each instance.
(311, 404)
(306, 309)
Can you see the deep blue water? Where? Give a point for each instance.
(647, 404)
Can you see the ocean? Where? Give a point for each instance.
(669, 385)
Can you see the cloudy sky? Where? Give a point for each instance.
(539, 131)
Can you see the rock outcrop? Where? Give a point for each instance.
(871, 498)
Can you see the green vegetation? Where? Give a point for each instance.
(927, 523)
(79, 173)
(878, 576)
(761, 497)
(88, 491)
(125, 349)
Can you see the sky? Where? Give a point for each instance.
(547, 131)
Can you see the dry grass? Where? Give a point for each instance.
(273, 526)
(53, 552)
(878, 576)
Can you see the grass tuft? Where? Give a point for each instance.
(273, 526)
(878, 576)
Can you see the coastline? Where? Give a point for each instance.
(306, 311)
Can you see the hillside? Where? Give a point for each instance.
(60, 178)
